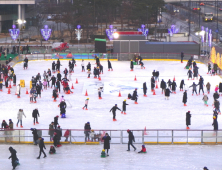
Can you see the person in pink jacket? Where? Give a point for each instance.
(86, 104)
(216, 88)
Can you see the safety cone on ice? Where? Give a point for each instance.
(72, 86)
(27, 91)
(154, 93)
(86, 93)
(135, 79)
(99, 78)
(174, 79)
(119, 94)
(156, 86)
(9, 91)
(77, 81)
(145, 133)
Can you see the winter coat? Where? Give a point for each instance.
(134, 95)
(106, 142)
(194, 86)
(41, 144)
(109, 64)
(14, 79)
(131, 136)
(220, 87)
(167, 92)
(66, 134)
(163, 84)
(86, 102)
(18, 89)
(13, 154)
(54, 93)
(38, 89)
(124, 105)
(88, 66)
(174, 85)
(217, 104)
(189, 73)
(152, 83)
(195, 71)
(92, 134)
(216, 96)
(205, 98)
(188, 116)
(35, 113)
(215, 124)
(59, 132)
(55, 120)
(4, 125)
(62, 105)
(114, 108)
(182, 84)
(131, 64)
(184, 97)
(20, 115)
(35, 135)
(208, 86)
(51, 130)
(10, 125)
(87, 128)
(59, 76)
(144, 87)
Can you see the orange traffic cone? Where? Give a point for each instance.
(119, 94)
(72, 86)
(86, 93)
(99, 78)
(135, 79)
(27, 91)
(174, 79)
(145, 133)
(154, 93)
(9, 92)
(10, 85)
(77, 81)
(156, 86)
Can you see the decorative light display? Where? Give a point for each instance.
(110, 32)
(206, 35)
(173, 30)
(202, 34)
(78, 32)
(210, 38)
(46, 32)
(14, 32)
(143, 30)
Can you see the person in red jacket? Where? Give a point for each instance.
(143, 149)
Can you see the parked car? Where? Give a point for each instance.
(60, 46)
(176, 10)
(196, 9)
(220, 9)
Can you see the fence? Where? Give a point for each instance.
(150, 136)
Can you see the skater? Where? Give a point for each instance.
(87, 129)
(92, 135)
(135, 96)
(19, 117)
(38, 90)
(35, 115)
(215, 123)
(52, 150)
(124, 107)
(195, 72)
(131, 65)
(58, 65)
(106, 145)
(185, 98)
(209, 68)
(34, 95)
(51, 130)
(157, 76)
(205, 99)
(35, 136)
(59, 133)
(65, 72)
(15, 160)
(45, 83)
(129, 96)
(163, 85)
(62, 105)
(53, 66)
(188, 117)
(215, 66)
(86, 104)
(113, 109)
(208, 87)
(182, 55)
(58, 85)
(54, 94)
(194, 88)
(167, 94)
(100, 90)
(200, 86)
(220, 88)
(83, 66)
(131, 140)
(109, 66)
(97, 61)
(38, 77)
(154, 75)
(143, 149)
(189, 73)
(181, 85)
(59, 76)
(89, 72)
(56, 121)
(216, 95)
(14, 80)
(18, 90)
(53, 79)
(174, 85)
(41, 146)
(169, 84)
(144, 89)
(217, 106)
(152, 83)
(88, 67)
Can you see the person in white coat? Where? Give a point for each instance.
(19, 117)
(18, 90)
(83, 66)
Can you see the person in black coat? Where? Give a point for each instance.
(135, 96)
(185, 98)
(188, 117)
(131, 140)
(216, 95)
(152, 83)
(144, 89)
(35, 135)
(167, 93)
(106, 145)
(169, 83)
(53, 66)
(13, 156)
(54, 94)
(163, 85)
(124, 106)
(200, 86)
(56, 121)
(113, 109)
(100, 69)
(174, 85)
(189, 73)
(41, 146)
(97, 61)
(215, 123)
(109, 66)
(181, 85)
(157, 75)
(38, 89)
(35, 115)
(182, 55)
(131, 65)
(53, 79)
(58, 65)
(217, 105)
(209, 68)
(88, 67)
(194, 86)
(220, 87)
(195, 72)
(14, 79)
(87, 129)
(55, 139)
(58, 85)
(59, 76)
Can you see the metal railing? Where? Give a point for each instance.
(150, 136)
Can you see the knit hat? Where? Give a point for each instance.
(128, 130)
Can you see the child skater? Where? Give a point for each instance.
(52, 150)
(143, 149)
(86, 104)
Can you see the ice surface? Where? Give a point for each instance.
(79, 157)
(154, 112)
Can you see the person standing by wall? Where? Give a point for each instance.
(106, 145)
(131, 140)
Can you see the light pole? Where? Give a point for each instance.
(201, 38)
(147, 16)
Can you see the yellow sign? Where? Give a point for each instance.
(22, 83)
